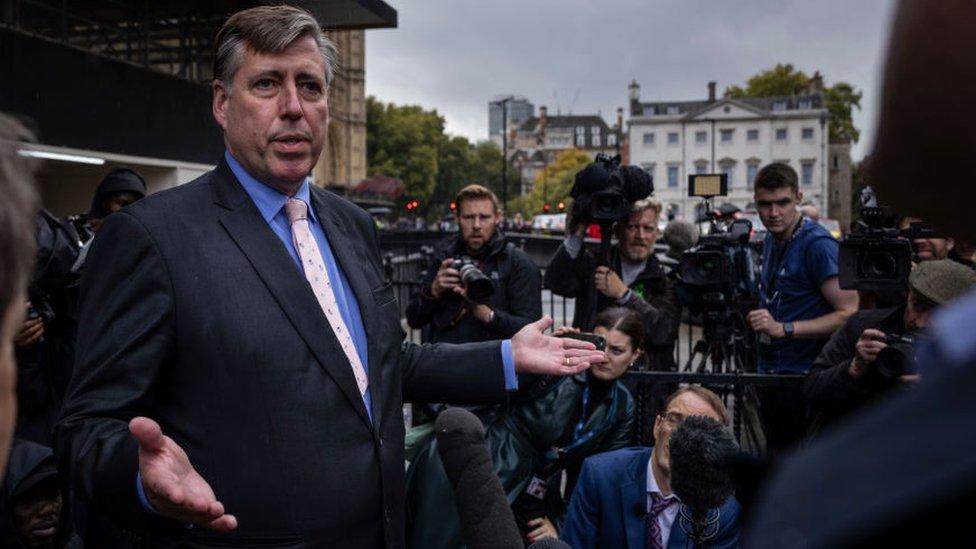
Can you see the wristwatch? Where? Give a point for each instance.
(787, 330)
(491, 315)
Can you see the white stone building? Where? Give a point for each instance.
(672, 139)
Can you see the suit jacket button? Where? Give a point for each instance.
(386, 515)
(380, 439)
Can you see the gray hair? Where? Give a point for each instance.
(649, 203)
(267, 29)
(18, 210)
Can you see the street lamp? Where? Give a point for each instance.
(503, 102)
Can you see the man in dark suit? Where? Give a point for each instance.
(624, 498)
(245, 315)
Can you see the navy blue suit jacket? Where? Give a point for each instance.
(611, 488)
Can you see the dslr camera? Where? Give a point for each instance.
(603, 191)
(876, 255)
(898, 358)
(477, 284)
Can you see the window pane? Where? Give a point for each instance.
(806, 173)
(751, 171)
(807, 133)
(701, 168)
(726, 135)
(752, 135)
(672, 176)
(648, 138)
(701, 137)
(781, 134)
(728, 170)
(672, 138)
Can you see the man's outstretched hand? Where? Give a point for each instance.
(537, 353)
(172, 485)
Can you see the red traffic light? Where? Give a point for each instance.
(545, 207)
(453, 206)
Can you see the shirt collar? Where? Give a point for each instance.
(652, 487)
(268, 199)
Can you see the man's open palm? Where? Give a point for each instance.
(172, 485)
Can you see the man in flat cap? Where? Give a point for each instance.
(846, 375)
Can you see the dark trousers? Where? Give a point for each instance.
(783, 412)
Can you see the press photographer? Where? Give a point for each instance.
(626, 274)
(873, 352)
(479, 286)
(801, 300)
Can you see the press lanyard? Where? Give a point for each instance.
(774, 275)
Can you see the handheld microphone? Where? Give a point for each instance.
(699, 449)
(486, 518)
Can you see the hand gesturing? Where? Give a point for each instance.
(172, 485)
(537, 353)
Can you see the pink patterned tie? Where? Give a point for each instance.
(318, 277)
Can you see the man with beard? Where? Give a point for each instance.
(444, 306)
(634, 279)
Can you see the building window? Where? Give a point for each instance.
(752, 169)
(779, 105)
(611, 140)
(836, 162)
(806, 173)
(805, 104)
(752, 135)
(701, 168)
(701, 137)
(672, 109)
(728, 169)
(596, 140)
(648, 138)
(726, 135)
(781, 134)
(672, 138)
(595, 130)
(580, 130)
(807, 133)
(672, 177)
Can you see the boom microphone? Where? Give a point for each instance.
(486, 518)
(699, 448)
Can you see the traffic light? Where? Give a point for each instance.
(453, 206)
(561, 206)
(545, 207)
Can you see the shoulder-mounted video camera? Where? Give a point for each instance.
(876, 255)
(604, 191)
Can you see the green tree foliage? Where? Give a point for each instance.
(785, 79)
(551, 185)
(402, 142)
(409, 142)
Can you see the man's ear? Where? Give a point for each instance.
(950, 243)
(220, 97)
(799, 197)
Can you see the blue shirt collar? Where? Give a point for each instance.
(268, 199)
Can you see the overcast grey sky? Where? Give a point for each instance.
(579, 56)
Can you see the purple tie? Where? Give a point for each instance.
(658, 504)
(318, 277)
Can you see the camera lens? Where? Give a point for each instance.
(878, 265)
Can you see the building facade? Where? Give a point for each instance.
(342, 163)
(673, 139)
(539, 139)
(519, 110)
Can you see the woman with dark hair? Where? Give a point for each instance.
(550, 427)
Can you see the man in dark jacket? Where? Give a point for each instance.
(634, 279)
(444, 305)
(845, 377)
(31, 505)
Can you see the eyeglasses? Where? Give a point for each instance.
(672, 419)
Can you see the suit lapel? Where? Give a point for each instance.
(245, 225)
(349, 253)
(633, 496)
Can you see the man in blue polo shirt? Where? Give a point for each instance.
(800, 298)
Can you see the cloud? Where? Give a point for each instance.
(579, 56)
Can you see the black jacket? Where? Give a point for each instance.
(830, 391)
(517, 299)
(570, 277)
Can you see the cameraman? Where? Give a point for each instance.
(443, 304)
(844, 376)
(634, 279)
(802, 303)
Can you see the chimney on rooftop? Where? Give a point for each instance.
(711, 91)
(620, 118)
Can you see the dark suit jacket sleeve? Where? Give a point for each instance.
(469, 373)
(566, 276)
(524, 296)
(125, 338)
(583, 518)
